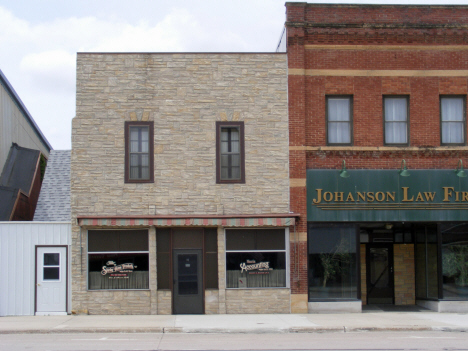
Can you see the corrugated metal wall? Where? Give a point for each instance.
(17, 267)
(14, 128)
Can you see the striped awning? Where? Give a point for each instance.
(244, 221)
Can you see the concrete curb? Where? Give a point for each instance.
(182, 330)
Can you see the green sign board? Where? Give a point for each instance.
(384, 195)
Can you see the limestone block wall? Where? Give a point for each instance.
(211, 301)
(164, 302)
(405, 290)
(258, 300)
(184, 94)
(119, 302)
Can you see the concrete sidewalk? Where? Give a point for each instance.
(235, 323)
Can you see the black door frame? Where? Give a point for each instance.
(199, 309)
(388, 245)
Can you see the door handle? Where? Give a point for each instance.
(38, 284)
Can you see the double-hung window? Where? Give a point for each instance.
(139, 146)
(230, 152)
(339, 120)
(396, 120)
(452, 119)
(118, 259)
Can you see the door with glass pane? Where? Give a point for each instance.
(51, 280)
(188, 282)
(380, 285)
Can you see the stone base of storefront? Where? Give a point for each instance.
(445, 306)
(240, 301)
(335, 307)
(119, 302)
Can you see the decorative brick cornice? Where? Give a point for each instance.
(380, 148)
(377, 25)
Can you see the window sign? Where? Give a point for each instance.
(118, 259)
(255, 258)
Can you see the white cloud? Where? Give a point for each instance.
(53, 71)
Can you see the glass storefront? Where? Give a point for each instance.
(426, 262)
(333, 264)
(255, 258)
(454, 261)
(118, 259)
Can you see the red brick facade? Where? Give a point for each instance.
(368, 52)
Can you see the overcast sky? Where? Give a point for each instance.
(39, 41)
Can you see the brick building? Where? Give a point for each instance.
(180, 184)
(377, 130)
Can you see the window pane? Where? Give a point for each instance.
(118, 271)
(144, 139)
(235, 173)
(240, 239)
(454, 261)
(338, 109)
(395, 109)
(396, 133)
(134, 139)
(224, 147)
(224, 173)
(225, 160)
(117, 240)
(270, 239)
(255, 239)
(332, 262)
(255, 269)
(234, 134)
(234, 146)
(224, 134)
(452, 109)
(51, 259)
(51, 273)
(235, 160)
(187, 274)
(339, 132)
(453, 132)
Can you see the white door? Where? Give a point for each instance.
(51, 284)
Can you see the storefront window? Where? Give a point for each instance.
(255, 258)
(455, 261)
(118, 259)
(333, 271)
(426, 261)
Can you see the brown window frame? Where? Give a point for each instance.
(407, 119)
(350, 121)
(240, 126)
(463, 97)
(150, 126)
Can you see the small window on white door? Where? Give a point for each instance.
(51, 266)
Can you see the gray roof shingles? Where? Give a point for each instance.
(54, 200)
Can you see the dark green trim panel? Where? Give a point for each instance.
(384, 195)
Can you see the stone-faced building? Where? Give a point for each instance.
(377, 140)
(180, 184)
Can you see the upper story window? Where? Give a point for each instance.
(396, 120)
(339, 120)
(139, 146)
(230, 152)
(452, 120)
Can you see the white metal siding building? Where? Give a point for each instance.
(22, 266)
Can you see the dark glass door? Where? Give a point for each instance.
(380, 285)
(188, 283)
